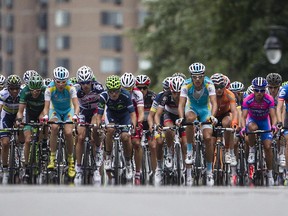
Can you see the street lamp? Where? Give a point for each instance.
(273, 48)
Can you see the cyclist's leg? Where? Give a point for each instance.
(251, 125)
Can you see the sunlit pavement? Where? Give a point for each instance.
(137, 201)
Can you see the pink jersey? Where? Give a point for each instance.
(137, 99)
(258, 110)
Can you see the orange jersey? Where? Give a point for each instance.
(223, 102)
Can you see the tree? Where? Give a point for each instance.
(227, 36)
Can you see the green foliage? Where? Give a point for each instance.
(227, 36)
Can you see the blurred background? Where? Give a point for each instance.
(155, 37)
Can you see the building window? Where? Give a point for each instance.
(43, 43)
(9, 67)
(43, 20)
(112, 18)
(43, 67)
(112, 1)
(111, 42)
(9, 45)
(64, 62)
(43, 3)
(61, 1)
(62, 18)
(63, 42)
(8, 3)
(111, 65)
(9, 22)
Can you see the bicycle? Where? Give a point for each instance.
(88, 159)
(220, 167)
(61, 163)
(259, 166)
(242, 173)
(146, 159)
(118, 159)
(14, 163)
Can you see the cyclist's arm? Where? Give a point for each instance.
(75, 103)
(46, 108)
(279, 110)
(244, 117)
(181, 106)
(158, 115)
(213, 101)
(273, 117)
(20, 111)
(98, 119)
(150, 119)
(234, 112)
(133, 119)
(140, 113)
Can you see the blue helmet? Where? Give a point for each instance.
(197, 68)
(60, 73)
(259, 82)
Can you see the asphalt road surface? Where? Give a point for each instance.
(142, 201)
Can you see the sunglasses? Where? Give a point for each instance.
(14, 88)
(273, 87)
(85, 83)
(219, 86)
(197, 77)
(259, 90)
(35, 90)
(114, 91)
(142, 87)
(60, 81)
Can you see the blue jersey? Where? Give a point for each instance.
(283, 95)
(61, 101)
(120, 106)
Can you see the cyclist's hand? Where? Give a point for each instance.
(234, 125)
(18, 122)
(213, 120)
(179, 121)
(274, 128)
(44, 119)
(242, 132)
(159, 128)
(75, 118)
(279, 125)
(139, 126)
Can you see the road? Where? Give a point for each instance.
(141, 201)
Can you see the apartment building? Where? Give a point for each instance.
(43, 34)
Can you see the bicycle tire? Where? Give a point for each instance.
(144, 166)
(12, 167)
(85, 163)
(275, 164)
(116, 163)
(198, 164)
(32, 162)
(261, 165)
(59, 161)
(178, 165)
(217, 166)
(241, 174)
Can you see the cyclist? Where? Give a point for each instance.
(9, 104)
(257, 108)
(73, 80)
(226, 114)
(142, 83)
(178, 74)
(199, 93)
(2, 82)
(128, 81)
(168, 104)
(248, 91)
(88, 93)
(31, 98)
(47, 81)
(119, 110)
(27, 75)
(62, 97)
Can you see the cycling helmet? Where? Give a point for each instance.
(218, 79)
(197, 68)
(176, 84)
(13, 80)
(284, 83)
(127, 80)
(180, 75)
(35, 82)
(28, 74)
(2, 80)
(73, 80)
(236, 86)
(60, 73)
(274, 79)
(143, 80)
(84, 73)
(113, 82)
(249, 89)
(47, 81)
(227, 81)
(166, 83)
(259, 82)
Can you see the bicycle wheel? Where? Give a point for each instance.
(217, 166)
(32, 158)
(144, 166)
(178, 163)
(198, 163)
(59, 161)
(275, 165)
(116, 164)
(86, 163)
(12, 167)
(241, 173)
(261, 166)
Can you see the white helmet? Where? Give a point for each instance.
(60, 73)
(84, 73)
(143, 80)
(28, 74)
(197, 69)
(2, 80)
(128, 80)
(236, 86)
(47, 81)
(176, 84)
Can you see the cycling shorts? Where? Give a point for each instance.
(7, 121)
(63, 117)
(203, 114)
(85, 115)
(116, 118)
(262, 125)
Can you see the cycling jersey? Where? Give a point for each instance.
(156, 100)
(223, 102)
(148, 101)
(137, 99)
(168, 103)
(61, 100)
(283, 96)
(198, 101)
(10, 105)
(34, 106)
(277, 96)
(258, 110)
